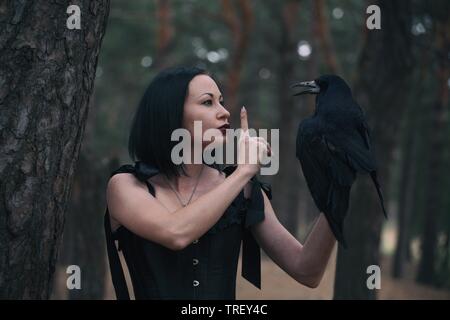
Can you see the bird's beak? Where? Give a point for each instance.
(311, 87)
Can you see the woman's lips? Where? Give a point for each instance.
(224, 128)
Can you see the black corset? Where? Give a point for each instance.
(205, 269)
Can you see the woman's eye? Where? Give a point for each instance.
(207, 102)
(222, 102)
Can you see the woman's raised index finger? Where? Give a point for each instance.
(244, 120)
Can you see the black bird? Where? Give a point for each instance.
(332, 146)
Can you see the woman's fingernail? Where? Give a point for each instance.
(243, 109)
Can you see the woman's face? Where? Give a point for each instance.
(204, 103)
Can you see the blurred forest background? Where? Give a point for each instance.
(255, 50)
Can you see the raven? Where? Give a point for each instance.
(333, 145)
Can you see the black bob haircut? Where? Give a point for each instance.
(159, 113)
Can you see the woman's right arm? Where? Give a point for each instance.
(132, 206)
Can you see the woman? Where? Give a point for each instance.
(180, 227)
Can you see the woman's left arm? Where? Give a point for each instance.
(305, 263)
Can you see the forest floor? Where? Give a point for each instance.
(278, 285)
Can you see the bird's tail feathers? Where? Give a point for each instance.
(373, 174)
(337, 206)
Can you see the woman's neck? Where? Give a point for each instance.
(193, 170)
(187, 182)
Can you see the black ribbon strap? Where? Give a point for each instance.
(251, 252)
(118, 278)
(142, 172)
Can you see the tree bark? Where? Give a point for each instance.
(83, 239)
(286, 182)
(240, 28)
(165, 34)
(415, 128)
(379, 91)
(406, 194)
(437, 140)
(47, 73)
(323, 33)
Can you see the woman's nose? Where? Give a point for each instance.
(223, 113)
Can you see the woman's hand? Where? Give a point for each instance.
(251, 150)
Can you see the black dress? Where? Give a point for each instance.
(206, 269)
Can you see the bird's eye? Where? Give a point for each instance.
(207, 102)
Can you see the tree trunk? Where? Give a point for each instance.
(83, 240)
(47, 73)
(406, 192)
(240, 25)
(380, 92)
(165, 32)
(323, 33)
(414, 129)
(286, 182)
(435, 180)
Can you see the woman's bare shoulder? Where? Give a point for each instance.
(124, 190)
(124, 187)
(123, 181)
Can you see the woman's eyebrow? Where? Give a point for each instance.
(210, 94)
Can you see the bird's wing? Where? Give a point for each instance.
(358, 142)
(355, 142)
(328, 176)
(356, 147)
(314, 166)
